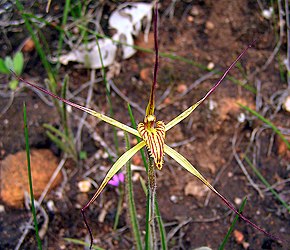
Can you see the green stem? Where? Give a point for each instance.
(119, 206)
(131, 201)
(221, 247)
(30, 178)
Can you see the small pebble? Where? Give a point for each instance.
(120, 133)
(246, 245)
(210, 65)
(209, 25)
(241, 117)
(194, 11)
(84, 186)
(50, 205)
(286, 104)
(239, 237)
(267, 13)
(2, 209)
(238, 201)
(212, 105)
(174, 198)
(181, 88)
(190, 19)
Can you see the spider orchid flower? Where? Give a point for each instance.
(152, 133)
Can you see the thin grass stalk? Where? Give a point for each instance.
(131, 201)
(30, 178)
(266, 183)
(64, 111)
(231, 229)
(61, 35)
(119, 206)
(161, 227)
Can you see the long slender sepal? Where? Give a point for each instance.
(151, 104)
(187, 112)
(187, 165)
(87, 110)
(113, 170)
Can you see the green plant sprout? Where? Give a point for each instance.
(152, 134)
(16, 64)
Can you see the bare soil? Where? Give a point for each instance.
(206, 31)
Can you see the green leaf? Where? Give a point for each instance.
(13, 84)
(8, 63)
(3, 68)
(18, 62)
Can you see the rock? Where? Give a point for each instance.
(239, 237)
(196, 189)
(14, 176)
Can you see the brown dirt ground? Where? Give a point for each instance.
(203, 31)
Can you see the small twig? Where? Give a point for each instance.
(241, 165)
(276, 184)
(181, 143)
(125, 98)
(104, 211)
(84, 116)
(173, 231)
(8, 105)
(259, 101)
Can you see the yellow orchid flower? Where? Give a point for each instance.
(153, 134)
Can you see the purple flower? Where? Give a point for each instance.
(117, 179)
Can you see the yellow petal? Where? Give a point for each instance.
(89, 111)
(183, 115)
(186, 164)
(115, 168)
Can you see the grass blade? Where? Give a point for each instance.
(161, 227)
(231, 229)
(30, 177)
(131, 201)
